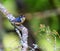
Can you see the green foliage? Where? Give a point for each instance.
(34, 23)
(45, 38)
(10, 5)
(39, 5)
(7, 25)
(11, 42)
(54, 22)
(57, 3)
(42, 5)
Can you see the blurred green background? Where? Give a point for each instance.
(42, 21)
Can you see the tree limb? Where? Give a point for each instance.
(19, 28)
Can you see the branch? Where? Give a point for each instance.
(18, 28)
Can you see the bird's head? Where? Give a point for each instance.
(22, 17)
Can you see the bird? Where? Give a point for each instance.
(19, 20)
